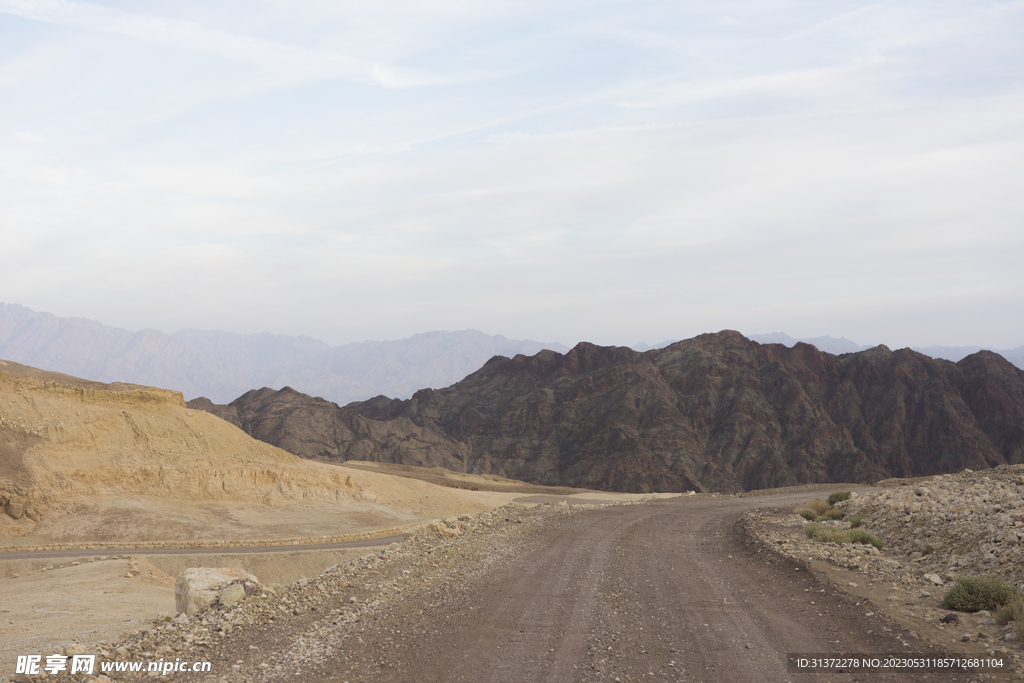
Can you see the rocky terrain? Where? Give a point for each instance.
(222, 365)
(948, 525)
(714, 413)
(936, 530)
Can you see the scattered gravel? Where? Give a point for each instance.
(273, 635)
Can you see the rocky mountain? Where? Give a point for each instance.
(844, 345)
(716, 412)
(221, 365)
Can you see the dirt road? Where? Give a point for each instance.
(660, 591)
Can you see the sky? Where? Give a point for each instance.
(614, 172)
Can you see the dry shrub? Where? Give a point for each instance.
(806, 514)
(1016, 605)
(819, 506)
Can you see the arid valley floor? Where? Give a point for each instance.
(373, 572)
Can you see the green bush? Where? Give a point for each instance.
(834, 534)
(838, 497)
(973, 593)
(862, 536)
(832, 514)
(806, 514)
(857, 520)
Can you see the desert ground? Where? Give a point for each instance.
(692, 588)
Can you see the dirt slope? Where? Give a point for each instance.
(82, 460)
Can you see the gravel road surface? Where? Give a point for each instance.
(668, 590)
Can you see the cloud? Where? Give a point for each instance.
(608, 172)
(298, 63)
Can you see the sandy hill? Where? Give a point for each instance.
(83, 460)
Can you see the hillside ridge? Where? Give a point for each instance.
(715, 412)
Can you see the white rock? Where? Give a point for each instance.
(232, 594)
(199, 587)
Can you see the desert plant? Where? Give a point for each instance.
(857, 520)
(1004, 614)
(833, 534)
(972, 593)
(806, 514)
(826, 534)
(838, 497)
(832, 514)
(819, 506)
(862, 536)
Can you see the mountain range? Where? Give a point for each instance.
(223, 365)
(844, 345)
(718, 412)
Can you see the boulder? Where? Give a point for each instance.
(16, 507)
(197, 588)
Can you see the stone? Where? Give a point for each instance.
(232, 594)
(74, 649)
(934, 578)
(197, 588)
(16, 507)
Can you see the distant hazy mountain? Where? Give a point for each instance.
(642, 346)
(87, 349)
(955, 353)
(360, 370)
(222, 365)
(844, 345)
(826, 344)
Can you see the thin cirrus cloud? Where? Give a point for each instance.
(614, 172)
(297, 62)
